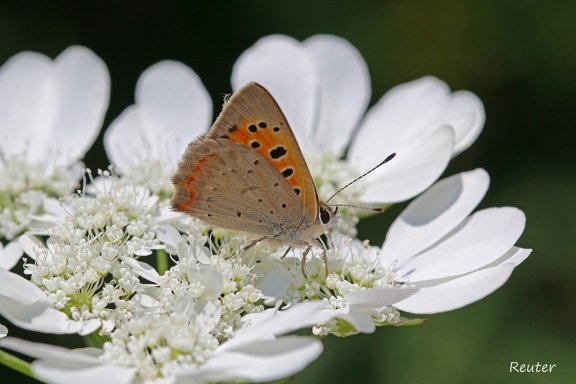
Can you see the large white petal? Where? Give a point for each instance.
(283, 67)
(62, 366)
(402, 116)
(433, 214)
(416, 166)
(458, 292)
(259, 362)
(10, 254)
(378, 297)
(465, 113)
(26, 306)
(514, 256)
(175, 107)
(30, 245)
(125, 142)
(81, 94)
(26, 103)
(344, 89)
(172, 108)
(481, 239)
(270, 323)
(3, 331)
(52, 111)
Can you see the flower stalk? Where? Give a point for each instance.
(16, 364)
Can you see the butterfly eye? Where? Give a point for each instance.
(325, 215)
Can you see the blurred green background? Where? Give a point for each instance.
(519, 57)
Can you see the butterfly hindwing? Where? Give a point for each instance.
(228, 185)
(253, 118)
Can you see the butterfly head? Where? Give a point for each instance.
(326, 213)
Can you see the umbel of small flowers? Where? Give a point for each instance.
(95, 274)
(161, 297)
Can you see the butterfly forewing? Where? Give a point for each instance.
(253, 119)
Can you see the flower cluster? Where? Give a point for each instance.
(165, 297)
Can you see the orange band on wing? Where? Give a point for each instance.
(187, 184)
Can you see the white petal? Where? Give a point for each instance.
(210, 278)
(458, 292)
(270, 323)
(54, 207)
(357, 317)
(125, 142)
(30, 245)
(175, 107)
(481, 239)
(344, 87)
(260, 362)
(433, 214)
(416, 166)
(26, 105)
(204, 314)
(52, 111)
(63, 366)
(3, 331)
(274, 280)
(81, 92)
(10, 254)
(378, 297)
(143, 270)
(403, 115)
(172, 108)
(465, 113)
(25, 305)
(170, 236)
(516, 256)
(283, 67)
(47, 351)
(54, 372)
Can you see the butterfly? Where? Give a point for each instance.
(248, 174)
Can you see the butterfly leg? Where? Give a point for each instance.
(304, 255)
(248, 246)
(285, 253)
(325, 252)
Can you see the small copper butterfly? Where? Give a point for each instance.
(248, 174)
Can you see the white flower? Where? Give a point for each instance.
(64, 366)
(357, 294)
(146, 141)
(323, 87)
(258, 354)
(452, 257)
(50, 114)
(26, 306)
(83, 275)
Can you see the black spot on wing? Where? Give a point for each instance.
(277, 152)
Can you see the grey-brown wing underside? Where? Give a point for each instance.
(230, 186)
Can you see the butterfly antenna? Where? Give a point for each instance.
(390, 157)
(379, 210)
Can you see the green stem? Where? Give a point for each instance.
(162, 261)
(93, 340)
(16, 364)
